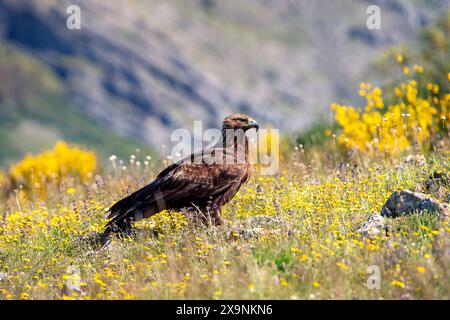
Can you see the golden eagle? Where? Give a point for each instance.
(203, 181)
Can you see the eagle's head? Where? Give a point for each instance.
(239, 121)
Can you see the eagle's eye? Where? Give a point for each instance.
(241, 120)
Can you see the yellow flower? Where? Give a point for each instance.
(398, 283)
(304, 258)
(70, 190)
(418, 68)
(99, 281)
(342, 265)
(24, 296)
(421, 269)
(316, 284)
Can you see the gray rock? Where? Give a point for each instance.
(416, 159)
(375, 225)
(407, 202)
(3, 276)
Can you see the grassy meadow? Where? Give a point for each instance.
(289, 236)
(293, 235)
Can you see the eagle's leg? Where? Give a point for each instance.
(215, 214)
(209, 214)
(121, 227)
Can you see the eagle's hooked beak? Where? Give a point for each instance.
(252, 124)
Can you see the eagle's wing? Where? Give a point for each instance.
(185, 182)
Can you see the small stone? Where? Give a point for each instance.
(375, 225)
(409, 158)
(416, 159)
(3, 276)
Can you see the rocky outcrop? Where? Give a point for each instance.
(406, 202)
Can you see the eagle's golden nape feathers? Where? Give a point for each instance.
(201, 185)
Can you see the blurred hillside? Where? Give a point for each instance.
(138, 69)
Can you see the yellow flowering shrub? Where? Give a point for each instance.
(415, 119)
(62, 161)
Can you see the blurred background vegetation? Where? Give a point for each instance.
(139, 69)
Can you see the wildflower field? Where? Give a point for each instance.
(293, 235)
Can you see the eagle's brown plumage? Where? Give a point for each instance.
(195, 182)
